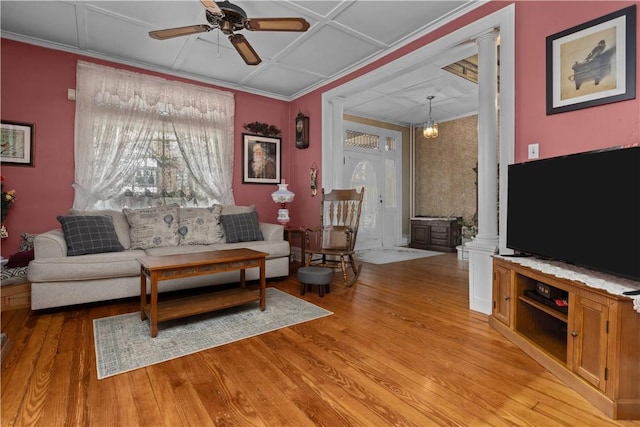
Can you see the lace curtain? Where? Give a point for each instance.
(118, 117)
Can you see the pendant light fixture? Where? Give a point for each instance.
(430, 127)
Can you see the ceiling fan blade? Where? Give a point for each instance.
(277, 24)
(179, 31)
(212, 7)
(244, 49)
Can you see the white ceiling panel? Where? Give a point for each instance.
(343, 35)
(126, 41)
(322, 8)
(205, 58)
(390, 21)
(59, 27)
(275, 79)
(159, 15)
(329, 51)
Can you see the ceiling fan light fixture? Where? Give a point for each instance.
(430, 127)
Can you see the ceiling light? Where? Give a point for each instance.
(430, 127)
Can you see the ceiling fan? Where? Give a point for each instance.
(229, 18)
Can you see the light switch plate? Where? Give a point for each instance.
(533, 151)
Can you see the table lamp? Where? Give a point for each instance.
(283, 196)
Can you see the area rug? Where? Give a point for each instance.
(123, 343)
(389, 255)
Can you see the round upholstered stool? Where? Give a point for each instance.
(309, 276)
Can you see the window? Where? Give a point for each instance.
(362, 140)
(144, 141)
(162, 176)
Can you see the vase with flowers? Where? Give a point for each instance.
(8, 197)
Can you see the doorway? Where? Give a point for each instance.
(503, 20)
(372, 160)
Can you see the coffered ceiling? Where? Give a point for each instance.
(343, 36)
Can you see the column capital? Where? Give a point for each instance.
(492, 34)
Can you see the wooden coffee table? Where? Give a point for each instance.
(158, 268)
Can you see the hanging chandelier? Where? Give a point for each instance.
(430, 127)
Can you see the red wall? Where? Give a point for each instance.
(35, 82)
(588, 129)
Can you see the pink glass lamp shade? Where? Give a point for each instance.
(283, 196)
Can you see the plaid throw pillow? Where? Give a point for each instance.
(241, 227)
(89, 234)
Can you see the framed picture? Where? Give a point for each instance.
(16, 140)
(261, 159)
(593, 63)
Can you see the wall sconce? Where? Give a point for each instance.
(283, 196)
(302, 131)
(313, 179)
(430, 127)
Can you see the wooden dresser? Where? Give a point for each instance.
(437, 234)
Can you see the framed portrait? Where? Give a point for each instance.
(261, 159)
(16, 140)
(593, 63)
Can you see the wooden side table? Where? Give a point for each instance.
(295, 233)
(16, 295)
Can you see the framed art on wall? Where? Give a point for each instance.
(261, 159)
(16, 140)
(593, 63)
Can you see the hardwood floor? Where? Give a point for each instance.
(401, 348)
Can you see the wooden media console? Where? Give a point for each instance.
(592, 343)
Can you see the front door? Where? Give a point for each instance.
(370, 161)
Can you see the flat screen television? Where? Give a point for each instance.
(583, 209)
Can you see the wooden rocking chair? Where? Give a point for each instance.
(333, 243)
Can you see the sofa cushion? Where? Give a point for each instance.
(243, 227)
(89, 234)
(86, 267)
(200, 226)
(119, 222)
(153, 227)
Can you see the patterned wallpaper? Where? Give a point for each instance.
(445, 180)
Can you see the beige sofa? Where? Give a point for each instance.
(58, 279)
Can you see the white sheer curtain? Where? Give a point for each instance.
(117, 113)
(210, 161)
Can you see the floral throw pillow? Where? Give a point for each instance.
(27, 242)
(200, 226)
(153, 227)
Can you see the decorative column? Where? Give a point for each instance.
(485, 243)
